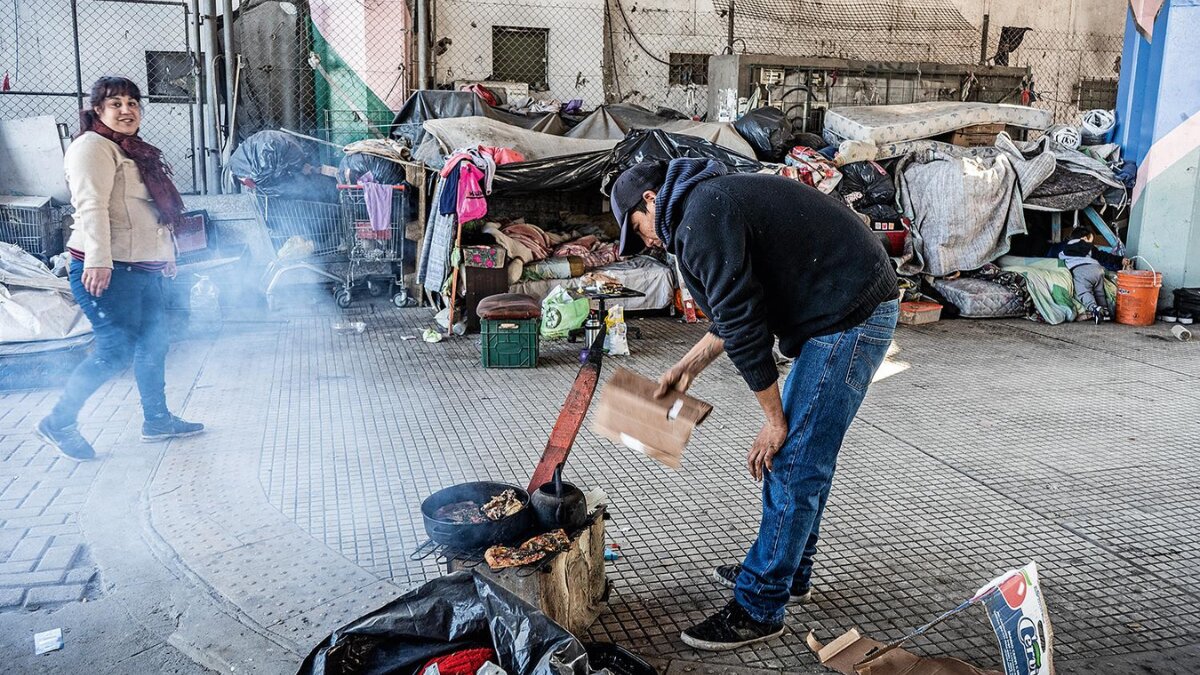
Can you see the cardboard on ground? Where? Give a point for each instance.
(1017, 610)
(631, 415)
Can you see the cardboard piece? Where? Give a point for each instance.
(850, 654)
(31, 152)
(629, 414)
(1017, 610)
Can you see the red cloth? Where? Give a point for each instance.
(502, 155)
(155, 172)
(465, 662)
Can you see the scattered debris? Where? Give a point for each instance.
(431, 336)
(347, 327)
(47, 641)
(612, 552)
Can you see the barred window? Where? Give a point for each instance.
(520, 55)
(688, 69)
(169, 77)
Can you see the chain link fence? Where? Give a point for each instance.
(52, 50)
(338, 69)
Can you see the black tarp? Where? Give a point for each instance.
(276, 87)
(572, 172)
(448, 614)
(281, 165)
(768, 131)
(436, 105)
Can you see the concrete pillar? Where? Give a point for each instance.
(1158, 114)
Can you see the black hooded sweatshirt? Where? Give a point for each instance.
(765, 256)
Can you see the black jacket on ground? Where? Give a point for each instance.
(765, 256)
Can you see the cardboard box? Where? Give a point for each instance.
(917, 313)
(630, 414)
(1015, 607)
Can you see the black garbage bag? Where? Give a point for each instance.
(867, 184)
(451, 613)
(768, 131)
(270, 156)
(353, 166)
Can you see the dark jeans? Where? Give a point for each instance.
(129, 322)
(822, 394)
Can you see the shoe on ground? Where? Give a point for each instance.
(167, 427)
(730, 628)
(1168, 316)
(66, 440)
(1186, 318)
(727, 575)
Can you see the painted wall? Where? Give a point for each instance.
(575, 63)
(37, 53)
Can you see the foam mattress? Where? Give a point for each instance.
(882, 124)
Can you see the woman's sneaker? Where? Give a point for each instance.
(727, 575)
(66, 440)
(169, 426)
(730, 628)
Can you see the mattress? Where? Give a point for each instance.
(883, 124)
(640, 273)
(980, 299)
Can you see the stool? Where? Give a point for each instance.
(510, 323)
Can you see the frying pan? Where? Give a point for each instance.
(513, 529)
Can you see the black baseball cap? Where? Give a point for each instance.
(627, 193)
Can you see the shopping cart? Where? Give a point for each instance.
(336, 241)
(381, 241)
(32, 223)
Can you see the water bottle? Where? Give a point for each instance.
(205, 312)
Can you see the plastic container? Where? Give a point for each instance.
(918, 313)
(205, 306)
(1137, 296)
(510, 343)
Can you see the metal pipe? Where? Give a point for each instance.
(422, 44)
(983, 43)
(200, 162)
(78, 60)
(729, 45)
(212, 146)
(230, 64)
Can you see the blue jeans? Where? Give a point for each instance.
(129, 323)
(822, 394)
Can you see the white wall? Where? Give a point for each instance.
(37, 51)
(575, 63)
(1103, 17)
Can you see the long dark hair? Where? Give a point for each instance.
(105, 88)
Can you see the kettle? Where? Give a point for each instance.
(559, 505)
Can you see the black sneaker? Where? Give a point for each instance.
(730, 628)
(167, 427)
(727, 575)
(66, 440)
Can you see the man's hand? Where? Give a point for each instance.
(678, 378)
(171, 270)
(1126, 263)
(765, 447)
(96, 280)
(681, 375)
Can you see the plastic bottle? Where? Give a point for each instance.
(204, 315)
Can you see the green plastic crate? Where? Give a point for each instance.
(510, 343)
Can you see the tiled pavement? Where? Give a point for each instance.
(988, 445)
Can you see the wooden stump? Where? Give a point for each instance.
(569, 589)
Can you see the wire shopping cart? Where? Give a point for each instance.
(380, 240)
(337, 242)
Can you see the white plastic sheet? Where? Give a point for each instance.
(34, 304)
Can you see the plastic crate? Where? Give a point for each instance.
(510, 343)
(33, 224)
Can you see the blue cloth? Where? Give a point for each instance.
(129, 322)
(448, 204)
(823, 392)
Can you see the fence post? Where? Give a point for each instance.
(213, 147)
(78, 60)
(422, 44)
(983, 43)
(230, 86)
(729, 42)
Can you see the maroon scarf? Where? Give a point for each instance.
(156, 174)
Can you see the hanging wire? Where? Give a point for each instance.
(628, 27)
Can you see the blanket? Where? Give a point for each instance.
(1051, 288)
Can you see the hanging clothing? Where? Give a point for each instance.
(472, 204)
(378, 199)
(448, 202)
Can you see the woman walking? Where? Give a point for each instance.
(126, 208)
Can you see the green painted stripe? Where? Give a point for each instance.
(342, 125)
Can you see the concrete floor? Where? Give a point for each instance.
(985, 445)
